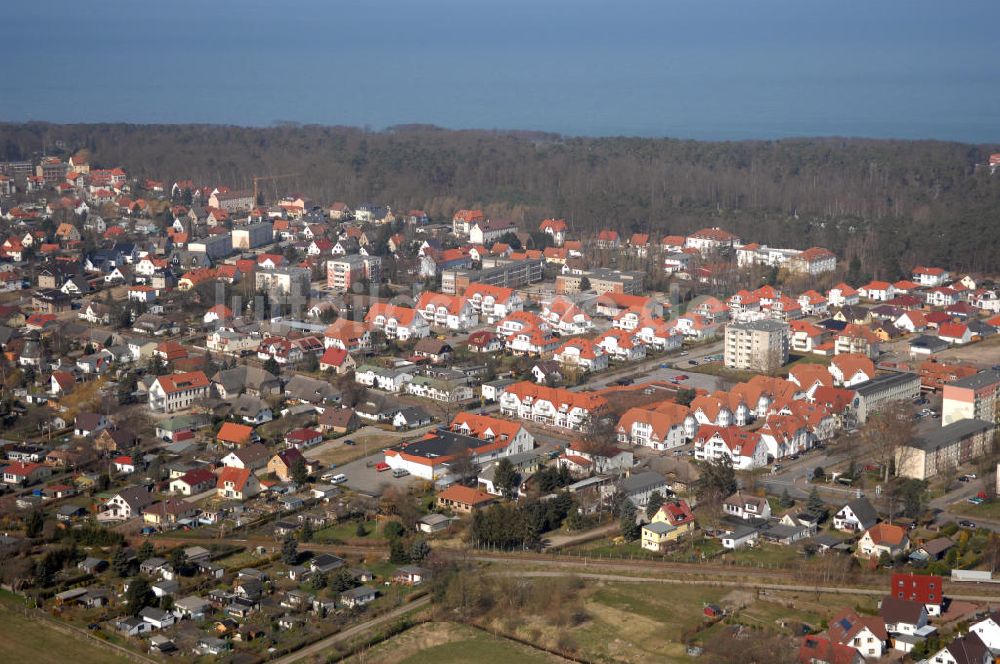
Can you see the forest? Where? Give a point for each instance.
(890, 204)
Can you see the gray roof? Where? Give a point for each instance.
(977, 381)
(950, 434)
(864, 510)
(642, 482)
(659, 527)
(885, 381)
(763, 325)
(929, 342)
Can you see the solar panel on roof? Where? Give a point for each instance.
(845, 624)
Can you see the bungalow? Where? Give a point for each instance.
(462, 499)
(410, 575)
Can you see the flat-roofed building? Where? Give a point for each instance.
(944, 448)
(760, 345)
(875, 394)
(972, 397)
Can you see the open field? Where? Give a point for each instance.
(27, 640)
(336, 452)
(984, 353)
(448, 643)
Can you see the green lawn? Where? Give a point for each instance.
(342, 532)
(26, 640)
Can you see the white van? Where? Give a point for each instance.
(337, 479)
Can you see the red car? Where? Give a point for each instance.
(681, 377)
(381, 466)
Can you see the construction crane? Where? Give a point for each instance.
(263, 178)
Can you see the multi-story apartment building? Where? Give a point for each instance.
(512, 274)
(973, 397)
(760, 345)
(875, 394)
(252, 236)
(342, 273)
(944, 448)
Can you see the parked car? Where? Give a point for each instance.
(400, 472)
(682, 376)
(976, 500)
(684, 352)
(965, 523)
(624, 381)
(970, 476)
(349, 442)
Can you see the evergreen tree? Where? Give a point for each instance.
(139, 595)
(271, 366)
(120, 563)
(505, 478)
(398, 555)
(654, 504)
(34, 523)
(146, 551)
(630, 529)
(815, 503)
(361, 531)
(419, 550)
(786, 500)
(289, 550)
(307, 531)
(299, 472)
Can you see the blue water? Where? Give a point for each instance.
(700, 69)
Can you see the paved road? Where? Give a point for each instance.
(359, 629)
(649, 370)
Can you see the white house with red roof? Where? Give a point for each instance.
(941, 296)
(659, 334)
(711, 239)
(956, 334)
(554, 406)
(850, 369)
(397, 322)
(930, 276)
(454, 312)
(660, 428)
(336, 359)
(237, 484)
(347, 335)
(565, 317)
(178, 391)
(744, 449)
(813, 303)
(621, 346)
(842, 295)
(556, 229)
(877, 291)
(24, 474)
(582, 353)
(492, 303)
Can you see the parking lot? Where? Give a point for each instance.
(364, 478)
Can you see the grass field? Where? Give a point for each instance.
(26, 640)
(988, 510)
(348, 531)
(448, 643)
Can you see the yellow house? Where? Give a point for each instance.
(671, 522)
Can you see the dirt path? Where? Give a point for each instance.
(357, 630)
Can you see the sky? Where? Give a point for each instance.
(725, 69)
